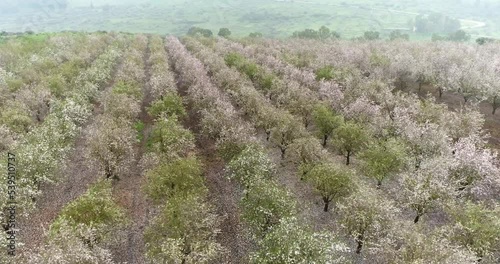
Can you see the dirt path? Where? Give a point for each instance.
(128, 190)
(76, 176)
(222, 192)
(225, 195)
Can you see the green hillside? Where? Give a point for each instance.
(272, 18)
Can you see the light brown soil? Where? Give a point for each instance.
(224, 193)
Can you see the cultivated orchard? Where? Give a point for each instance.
(255, 150)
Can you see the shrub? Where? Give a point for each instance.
(194, 31)
(224, 32)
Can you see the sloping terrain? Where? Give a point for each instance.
(135, 148)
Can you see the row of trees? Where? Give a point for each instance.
(186, 227)
(322, 33)
(371, 159)
(459, 36)
(328, 180)
(194, 31)
(268, 208)
(112, 136)
(471, 71)
(45, 148)
(63, 122)
(305, 105)
(29, 85)
(83, 230)
(112, 141)
(332, 182)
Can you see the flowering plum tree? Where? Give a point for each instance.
(251, 166)
(349, 138)
(291, 242)
(175, 178)
(475, 169)
(67, 246)
(408, 243)
(326, 121)
(366, 216)
(16, 117)
(428, 187)
(120, 106)
(382, 159)
(169, 104)
(264, 205)
(287, 130)
(184, 232)
(170, 139)
(476, 227)
(306, 153)
(111, 146)
(332, 181)
(95, 209)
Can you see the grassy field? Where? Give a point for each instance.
(272, 18)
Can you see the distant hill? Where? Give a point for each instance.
(275, 19)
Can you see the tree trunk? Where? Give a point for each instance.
(480, 258)
(348, 158)
(327, 203)
(417, 163)
(419, 87)
(325, 138)
(186, 251)
(440, 90)
(109, 173)
(417, 218)
(359, 240)
(88, 243)
(495, 105)
(267, 224)
(36, 183)
(283, 145)
(268, 135)
(403, 84)
(379, 184)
